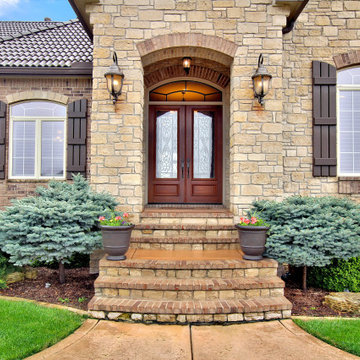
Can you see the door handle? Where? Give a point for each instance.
(188, 167)
(182, 168)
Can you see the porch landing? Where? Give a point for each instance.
(188, 286)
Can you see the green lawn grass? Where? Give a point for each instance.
(342, 333)
(27, 328)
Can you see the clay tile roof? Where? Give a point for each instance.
(14, 27)
(43, 44)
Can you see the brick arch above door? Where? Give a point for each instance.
(214, 43)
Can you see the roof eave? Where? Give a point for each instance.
(79, 6)
(296, 8)
(77, 69)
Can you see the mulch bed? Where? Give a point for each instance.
(80, 285)
(310, 302)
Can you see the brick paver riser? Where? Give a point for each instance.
(199, 232)
(185, 243)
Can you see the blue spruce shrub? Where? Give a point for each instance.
(56, 224)
(311, 231)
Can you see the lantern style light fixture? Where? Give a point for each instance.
(261, 81)
(186, 64)
(114, 79)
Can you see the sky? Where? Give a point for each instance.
(35, 10)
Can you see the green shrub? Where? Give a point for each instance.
(56, 224)
(340, 275)
(309, 231)
(3, 267)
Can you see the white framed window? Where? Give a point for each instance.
(37, 140)
(348, 124)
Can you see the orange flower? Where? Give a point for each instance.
(125, 215)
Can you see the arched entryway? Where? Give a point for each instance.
(187, 121)
(185, 143)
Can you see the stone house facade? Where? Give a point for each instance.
(187, 152)
(267, 151)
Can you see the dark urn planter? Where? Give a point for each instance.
(252, 241)
(116, 241)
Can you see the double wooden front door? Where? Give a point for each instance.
(185, 154)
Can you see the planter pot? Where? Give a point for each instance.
(116, 241)
(252, 241)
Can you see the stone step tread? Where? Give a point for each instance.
(185, 240)
(193, 284)
(146, 306)
(145, 226)
(187, 213)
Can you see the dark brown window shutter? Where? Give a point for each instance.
(76, 138)
(324, 119)
(2, 138)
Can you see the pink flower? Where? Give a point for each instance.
(241, 219)
(118, 218)
(253, 220)
(101, 218)
(125, 215)
(246, 221)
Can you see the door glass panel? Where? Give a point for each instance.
(166, 144)
(203, 145)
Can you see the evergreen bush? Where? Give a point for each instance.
(309, 231)
(3, 266)
(340, 275)
(56, 224)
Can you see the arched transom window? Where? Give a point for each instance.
(185, 90)
(37, 140)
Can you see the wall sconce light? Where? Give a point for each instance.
(261, 81)
(187, 64)
(114, 79)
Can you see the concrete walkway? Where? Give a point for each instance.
(280, 340)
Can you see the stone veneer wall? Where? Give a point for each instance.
(118, 138)
(325, 29)
(21, 88)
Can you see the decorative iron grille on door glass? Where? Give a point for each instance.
(185, 90)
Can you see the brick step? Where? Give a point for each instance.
(184, 243)
(172, 231)
(176, 225)
(186, 264)
(198, 212)
(185, 240)
(191, 311)
(183, 289)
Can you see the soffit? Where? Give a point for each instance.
(79, 7)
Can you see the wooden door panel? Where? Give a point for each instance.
(165, 189)
(209, 188)
(177, 184)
